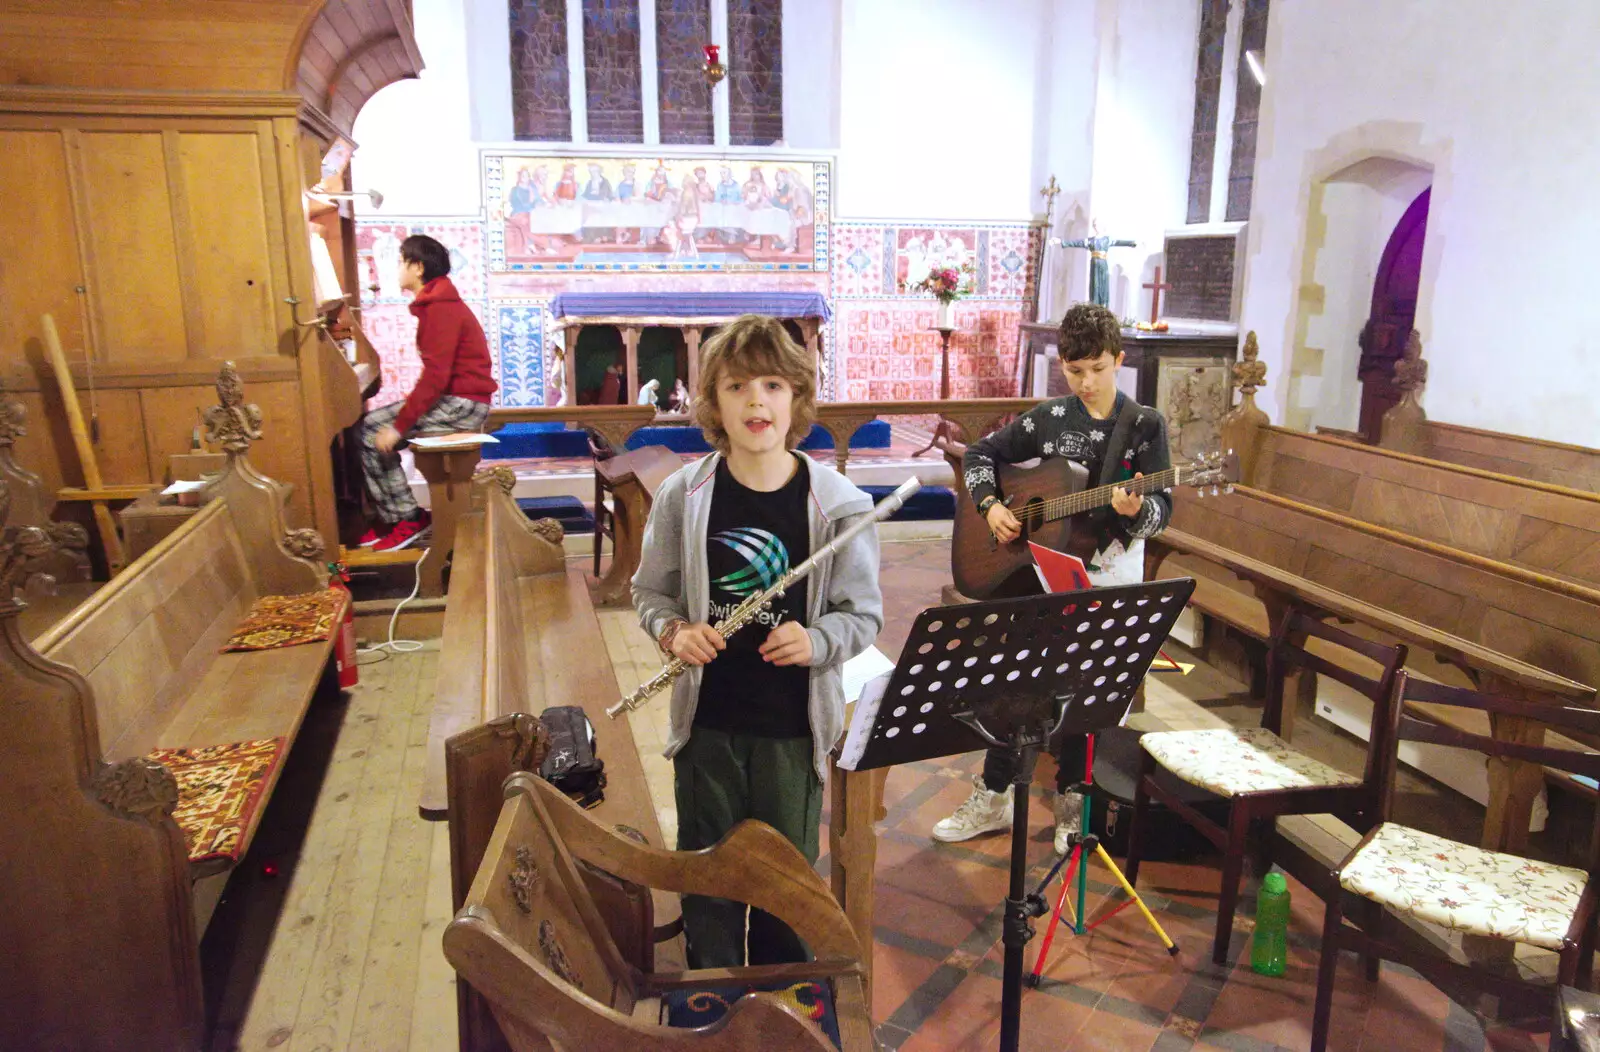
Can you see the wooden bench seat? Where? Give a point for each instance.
(102, 923)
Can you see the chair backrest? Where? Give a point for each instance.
(1291, 647)
(1407, 727)
(531, 941)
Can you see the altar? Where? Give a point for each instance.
(617, 342)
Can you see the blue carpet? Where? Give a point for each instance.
(556, 440)
(569, 511)
(929, 502)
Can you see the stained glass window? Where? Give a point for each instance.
(613, 93)
(755, 72)
(683, 28)
(541, 108)
(1246, 112)
(1207, 91)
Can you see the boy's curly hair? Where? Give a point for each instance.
(755, 345)
(1089, 330)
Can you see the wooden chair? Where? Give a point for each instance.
(1459, 886)
(1257, 772)
(531, 940)
(601, 449)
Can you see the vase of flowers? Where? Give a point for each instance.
(946, 284)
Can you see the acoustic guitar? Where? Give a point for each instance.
(1056, 509)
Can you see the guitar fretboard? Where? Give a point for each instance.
(1074, 503)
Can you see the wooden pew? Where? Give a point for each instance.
(1574, 467)
(102, 909)
(1494, 620)
(1552, 529)
(633, 478)
(520, 635)
(1407, 429)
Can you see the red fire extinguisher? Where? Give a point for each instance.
(344, 650)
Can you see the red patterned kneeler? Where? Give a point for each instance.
(219, 789)
(289, 620)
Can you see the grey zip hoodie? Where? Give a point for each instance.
(844, 606)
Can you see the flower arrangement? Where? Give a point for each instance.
(945, 284)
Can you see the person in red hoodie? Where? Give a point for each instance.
(451, 395)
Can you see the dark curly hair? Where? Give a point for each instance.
(1088, 331)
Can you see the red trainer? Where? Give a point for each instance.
(371, 537)
(406, 532)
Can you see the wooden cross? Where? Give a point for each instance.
(1155, 288)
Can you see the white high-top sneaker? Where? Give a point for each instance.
(982, 812)
(1069, 819)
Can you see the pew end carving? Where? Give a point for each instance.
(66, 559)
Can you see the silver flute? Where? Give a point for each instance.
(748, 610)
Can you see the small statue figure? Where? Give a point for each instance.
(1099, 267)
(679, 402)
(647, 393)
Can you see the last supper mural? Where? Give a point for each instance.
(554, 212)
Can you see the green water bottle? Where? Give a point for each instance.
(1269, 946)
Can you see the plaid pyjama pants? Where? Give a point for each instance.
(386, 480)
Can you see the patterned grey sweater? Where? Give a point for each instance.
(1062, 427)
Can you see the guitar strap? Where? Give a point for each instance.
(1117, 444)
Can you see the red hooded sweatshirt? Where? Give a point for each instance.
(455, 355)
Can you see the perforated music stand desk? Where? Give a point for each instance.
(1012, 674)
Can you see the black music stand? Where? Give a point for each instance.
(1012, 674)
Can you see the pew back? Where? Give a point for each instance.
(1542, 527)
(144, 639)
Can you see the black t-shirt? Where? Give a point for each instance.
(752, 539)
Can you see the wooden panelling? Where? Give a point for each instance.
(175, 44)
(134, 285)
(47, 449)
(232, 292)
(171, 414)
(42, 279)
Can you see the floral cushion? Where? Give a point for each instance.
(1229, 761)
(1466, 888)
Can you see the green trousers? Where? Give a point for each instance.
(721, 779)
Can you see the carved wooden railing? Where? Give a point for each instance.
(974, 416)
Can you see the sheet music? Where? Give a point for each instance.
(862, 669)
(450, 441)
(862, 716)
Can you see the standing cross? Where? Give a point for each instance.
(1155, 288)
(1049, 194)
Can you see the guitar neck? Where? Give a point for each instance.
(1071, 504)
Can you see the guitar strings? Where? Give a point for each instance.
(1073, 503)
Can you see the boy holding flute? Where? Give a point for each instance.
(756, 714)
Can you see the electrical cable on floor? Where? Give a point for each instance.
(398, 646)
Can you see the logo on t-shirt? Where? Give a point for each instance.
(765, 558)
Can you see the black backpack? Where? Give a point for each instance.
(571, 764)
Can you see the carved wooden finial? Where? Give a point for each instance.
(140, 787)
(13, 420)
(232, 424)
(1411, 372)
(550, 530)
(1250, 373)
(19, 545)
(305, 543)
(502, 476)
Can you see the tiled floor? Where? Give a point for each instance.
(938, 958)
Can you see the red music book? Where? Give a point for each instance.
(1058, 571)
